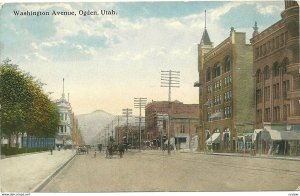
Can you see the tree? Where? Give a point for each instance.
(24, 106)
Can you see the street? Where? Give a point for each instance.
(156, 171)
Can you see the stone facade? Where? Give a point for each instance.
(276, 66)
(225, 92)
(277, 73)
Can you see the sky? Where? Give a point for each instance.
(108, 60)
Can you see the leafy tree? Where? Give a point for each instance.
(24, 106)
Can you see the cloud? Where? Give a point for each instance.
(267, 9)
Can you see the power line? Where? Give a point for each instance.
(140, 103)
(127, 113)
(170, 79)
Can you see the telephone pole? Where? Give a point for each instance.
(127, 113)
(140, 103)
(170, 79)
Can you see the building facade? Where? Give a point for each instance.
(172, 120)
(277, 82)
(64, 134)
(226, 96)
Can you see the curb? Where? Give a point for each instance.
(42, 184)
(258, 157)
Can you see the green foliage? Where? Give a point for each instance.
(13, 151)
(24, 106)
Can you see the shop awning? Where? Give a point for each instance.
(215, 138)
(275, 135)
(283, 135)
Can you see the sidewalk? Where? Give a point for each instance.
(28, 173)
(260, 156)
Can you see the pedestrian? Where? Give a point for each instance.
(121, 150)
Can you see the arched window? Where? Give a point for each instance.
(275, 69)
(284, 64)
(266, 72)
(258, 76)
(216, 70)
(227, 64)
(208, 74)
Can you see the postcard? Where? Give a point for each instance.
(150, 97)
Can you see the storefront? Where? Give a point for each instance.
(274, 142)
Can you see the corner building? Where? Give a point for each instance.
(277, 84)
(226, 89)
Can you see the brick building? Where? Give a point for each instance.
(225, 92)
(179, 120)
(277, 73)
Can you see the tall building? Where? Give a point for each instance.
(64, 134)
(277, 84)
(225, 93)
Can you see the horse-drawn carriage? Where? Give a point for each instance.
(114, 149)
(82, 150)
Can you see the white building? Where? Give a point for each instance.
(64, 134)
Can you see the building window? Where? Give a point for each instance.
(267, 115)
(281, 40)
(275, 69)
(258, 96)
(276, 113)
(285, 88)
(227, 96)
(258, 76)
(61, 127)
(227, 80)
(209, 89)
(61, 116)
(227, 64)
(208, 74)
(227, 112)
(264, 48)
(286, 111)
(266, 73)
(284, 64)
(216, 70)
(267, 93)
(276, 93)
(182, 128)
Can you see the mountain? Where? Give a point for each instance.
(91, 125)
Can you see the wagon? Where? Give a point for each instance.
(113, 149)
(81, 150)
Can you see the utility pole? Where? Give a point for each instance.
(140, 103)
(127, 113)
(117, 134)
(170, 79)
(112, 129)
